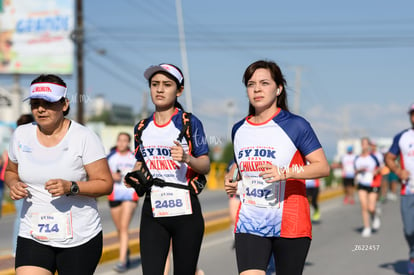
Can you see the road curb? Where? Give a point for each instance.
(330, 194)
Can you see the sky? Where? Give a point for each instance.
(355, 58)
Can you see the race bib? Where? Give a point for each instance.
(174, 202)
(410, 185)
(52, 226)
(366, 177)
(255, 191)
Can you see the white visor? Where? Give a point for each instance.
(164, 68)
(48, 91)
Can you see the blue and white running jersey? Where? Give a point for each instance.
(157, 141)
(123, 163)
(403, 146)
(284, 141)
(369, 165)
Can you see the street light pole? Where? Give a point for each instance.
(183, 49)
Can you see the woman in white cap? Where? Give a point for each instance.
(170, 213)
(58, 167)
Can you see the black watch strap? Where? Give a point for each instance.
(74, 188)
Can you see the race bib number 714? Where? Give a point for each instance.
(52, 226)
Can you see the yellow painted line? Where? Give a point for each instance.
(8, 208)
(330, 194)
(8, 272)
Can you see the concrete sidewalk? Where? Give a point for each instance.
(214, 221)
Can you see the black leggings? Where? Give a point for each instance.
(313, 193)
(254, 252)
(186, 233)
(79, 260)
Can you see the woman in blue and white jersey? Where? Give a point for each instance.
(271, 147)
(170, 213)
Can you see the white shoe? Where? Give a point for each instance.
(376, 224)
(366, 232)
(391, 196)
(378, 211)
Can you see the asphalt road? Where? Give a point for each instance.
(337, 247)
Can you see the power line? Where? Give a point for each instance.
(114, 72)
(124, 46)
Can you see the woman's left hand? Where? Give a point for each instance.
(271, 173)
(178, 154)
(58, 187)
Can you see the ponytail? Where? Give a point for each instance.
(178, 105)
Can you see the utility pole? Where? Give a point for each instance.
(298, 84)
(184, 59)
(231, 110)
(17, 93)
(79, 60)
(144, 108)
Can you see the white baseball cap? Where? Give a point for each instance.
(51, 92)
(168, 68)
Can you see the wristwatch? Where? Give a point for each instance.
(74, 189)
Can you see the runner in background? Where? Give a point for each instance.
(122, 201)
(312, 191)
(402, 147)
(385, 184)
(383, 169)
(367, 168)
(394, 183)
(348, 175)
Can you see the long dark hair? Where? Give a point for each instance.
(179, 85)
(51, 78)
(277, 76)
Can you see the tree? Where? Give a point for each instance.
(228, 153)
(104, 117)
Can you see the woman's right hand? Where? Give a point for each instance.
(230, 186)
(18, 190)
(231, 180)
(132, 179)
(403, 174)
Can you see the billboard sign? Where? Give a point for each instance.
(35, 36)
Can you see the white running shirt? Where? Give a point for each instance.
(37, 164)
